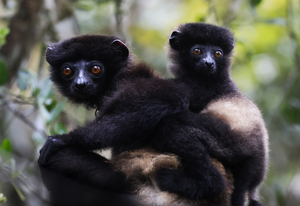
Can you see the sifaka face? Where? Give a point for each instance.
(84, 68)
(201, 49)
(83, 78)
(205, 58)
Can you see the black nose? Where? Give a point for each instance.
(80, 86)
(209, 64)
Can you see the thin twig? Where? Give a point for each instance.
(22, 178)
(11, 106)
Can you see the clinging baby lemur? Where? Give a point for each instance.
(235, 131)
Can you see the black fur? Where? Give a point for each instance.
(89, 170)
(112, 54)
(137, 109)
(242, 149)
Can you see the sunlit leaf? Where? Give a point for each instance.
(2, 198)
(3, 73)
(201, 19)
(6, 145)
(3, 33)
(6, 150)
(147, 37)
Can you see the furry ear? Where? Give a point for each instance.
(174, 39)
(122, 47)
(48, 50)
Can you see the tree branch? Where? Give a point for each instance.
(118, 16)
(11, 107)
(23, 34)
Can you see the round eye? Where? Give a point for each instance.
(197, 51)
(67, 71)
(218, 54)
(96, 69)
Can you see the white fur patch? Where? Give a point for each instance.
(240, 113)
(150, 195)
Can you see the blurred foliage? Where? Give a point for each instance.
(2, 198)
(265, 67)
(3, 33)
(5, 150)
(3, 67)
(3, 73)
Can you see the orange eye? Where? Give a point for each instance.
(197, 51)
(67, 71)
(218, 54)
(96, 69)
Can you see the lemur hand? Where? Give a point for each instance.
(50, 147)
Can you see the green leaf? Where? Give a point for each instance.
(2, 198)
(6, 145)
(255, 3)
(60, 128)
(200, 18)
(3, 73)
(49, 104)
(280, 197)
(3, 34)
(56, 111)
(36, 92)
(6, 150)
(23, 79)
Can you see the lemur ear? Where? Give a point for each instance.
(122, 46)
(48, 50)
(174, 39)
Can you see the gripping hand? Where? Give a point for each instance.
(50, 147)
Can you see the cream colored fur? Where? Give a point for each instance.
(242, 115)
(146, 162)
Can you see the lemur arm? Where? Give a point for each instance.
(126, 115)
